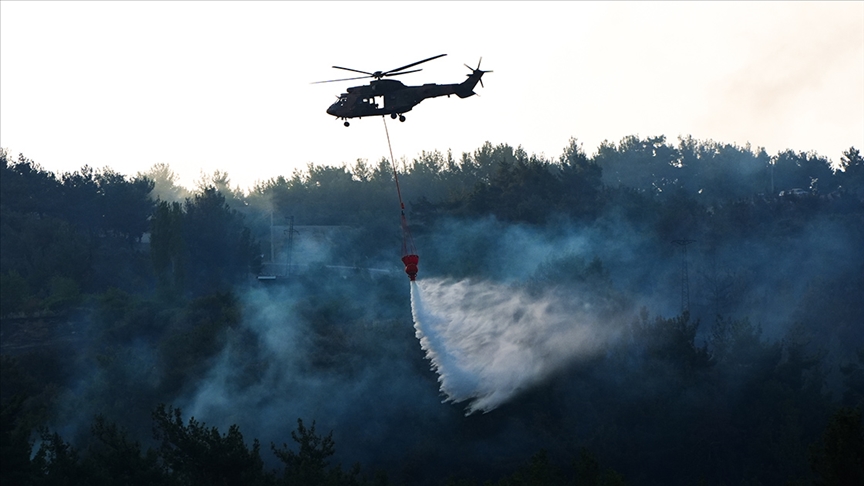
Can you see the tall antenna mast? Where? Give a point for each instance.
(685, 277)
(290, 244)
(272, 248)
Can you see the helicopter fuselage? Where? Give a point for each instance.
(391, 97)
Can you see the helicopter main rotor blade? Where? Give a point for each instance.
(414, 64)
(379, 74)
(343, 79)
(355, 70)
(403, 72)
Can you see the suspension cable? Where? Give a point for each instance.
(393, 164)
(407, 241)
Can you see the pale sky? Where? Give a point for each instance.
(207, 86)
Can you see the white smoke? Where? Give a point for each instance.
(488, 342)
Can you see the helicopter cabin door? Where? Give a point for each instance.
(371, 104)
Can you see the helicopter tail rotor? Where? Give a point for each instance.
(466, 88)
(477, 72)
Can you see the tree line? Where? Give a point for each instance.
(136, 283)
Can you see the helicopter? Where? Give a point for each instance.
(391, 97)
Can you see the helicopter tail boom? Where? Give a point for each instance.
(466, 88)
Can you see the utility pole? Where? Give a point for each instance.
(685, 278)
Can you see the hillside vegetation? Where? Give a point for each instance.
(137, 342)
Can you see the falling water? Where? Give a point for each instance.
(487, 342)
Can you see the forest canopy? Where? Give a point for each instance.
(120, 294)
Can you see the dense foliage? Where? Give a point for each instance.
(120, 294)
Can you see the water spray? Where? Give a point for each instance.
(488, 342)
